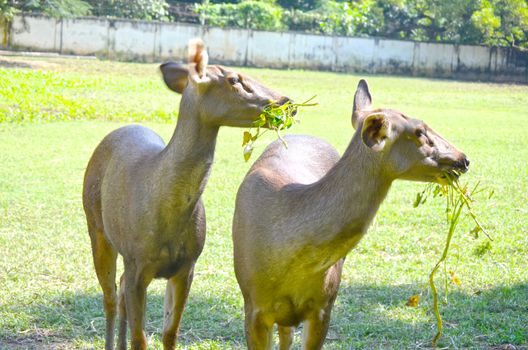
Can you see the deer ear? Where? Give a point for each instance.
(198, 59)
(376, 129)
(362, 102)
(175, 76)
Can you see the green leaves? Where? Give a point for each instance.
(502, 22)
(247, 142)
(273, 117)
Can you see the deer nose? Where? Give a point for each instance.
(283, 100)
(462, 164)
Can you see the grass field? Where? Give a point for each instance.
(53, 112)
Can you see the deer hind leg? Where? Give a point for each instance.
(135, 300)
(121, 338)
(176, 295)
(285, 337)
(258, 331)
(105, 256)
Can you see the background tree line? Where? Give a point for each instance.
(489, 22)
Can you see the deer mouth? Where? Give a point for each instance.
(448, 176)
(454, 170)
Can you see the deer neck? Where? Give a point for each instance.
(344, 202)
(185, 164)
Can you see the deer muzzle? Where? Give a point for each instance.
(462, 165)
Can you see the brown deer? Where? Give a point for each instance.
(142, 199)
(300, 210)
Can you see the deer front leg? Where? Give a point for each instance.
(285, 337)
(175, 298)
(315, 330)
(135, 300)
(258, 331)
(316, 326)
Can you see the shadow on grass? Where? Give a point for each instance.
(372, 316)
(67, 320)
(365, 316)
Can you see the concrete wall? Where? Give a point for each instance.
(155, 41)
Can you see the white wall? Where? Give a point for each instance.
(156, 41)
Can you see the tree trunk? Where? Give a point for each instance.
(5, 25)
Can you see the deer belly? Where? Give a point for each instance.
(168, 264)
(297, 298)
(289, 312)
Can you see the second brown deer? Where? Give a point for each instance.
(300, 210)
(142, 198)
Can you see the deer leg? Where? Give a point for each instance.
(121, 339)
(175, 298)
(285, 337)
(316, 327)
(258, 332)
(105, 256)
(315, 330)
(135, 300)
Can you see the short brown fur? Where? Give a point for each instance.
(300, 210)
(142, 199)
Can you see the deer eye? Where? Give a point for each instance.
(419, 132)
(233, 80)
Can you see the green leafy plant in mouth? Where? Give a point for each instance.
(458, 197)
(273, 117)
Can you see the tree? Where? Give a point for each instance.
(434, 20)
(135, 9)
(246, 14)
(54, 8)
(8, 9)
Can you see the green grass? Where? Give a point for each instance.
(49, 296)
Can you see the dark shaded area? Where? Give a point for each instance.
(81, 316)
(490, 318)
(13, 64)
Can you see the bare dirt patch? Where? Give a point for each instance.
(20, 62)
(37, 339)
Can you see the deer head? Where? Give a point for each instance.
(223, 96)
(409, 148)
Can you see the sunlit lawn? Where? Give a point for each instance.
(55, 111)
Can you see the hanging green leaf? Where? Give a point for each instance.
(458, 197)
(274, 117)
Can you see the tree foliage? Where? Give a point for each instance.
(351, 18)
(502, 22)
(490, 22)
(247, 14)
(138, 9)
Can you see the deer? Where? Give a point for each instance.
(142, 198)
(301, 209)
